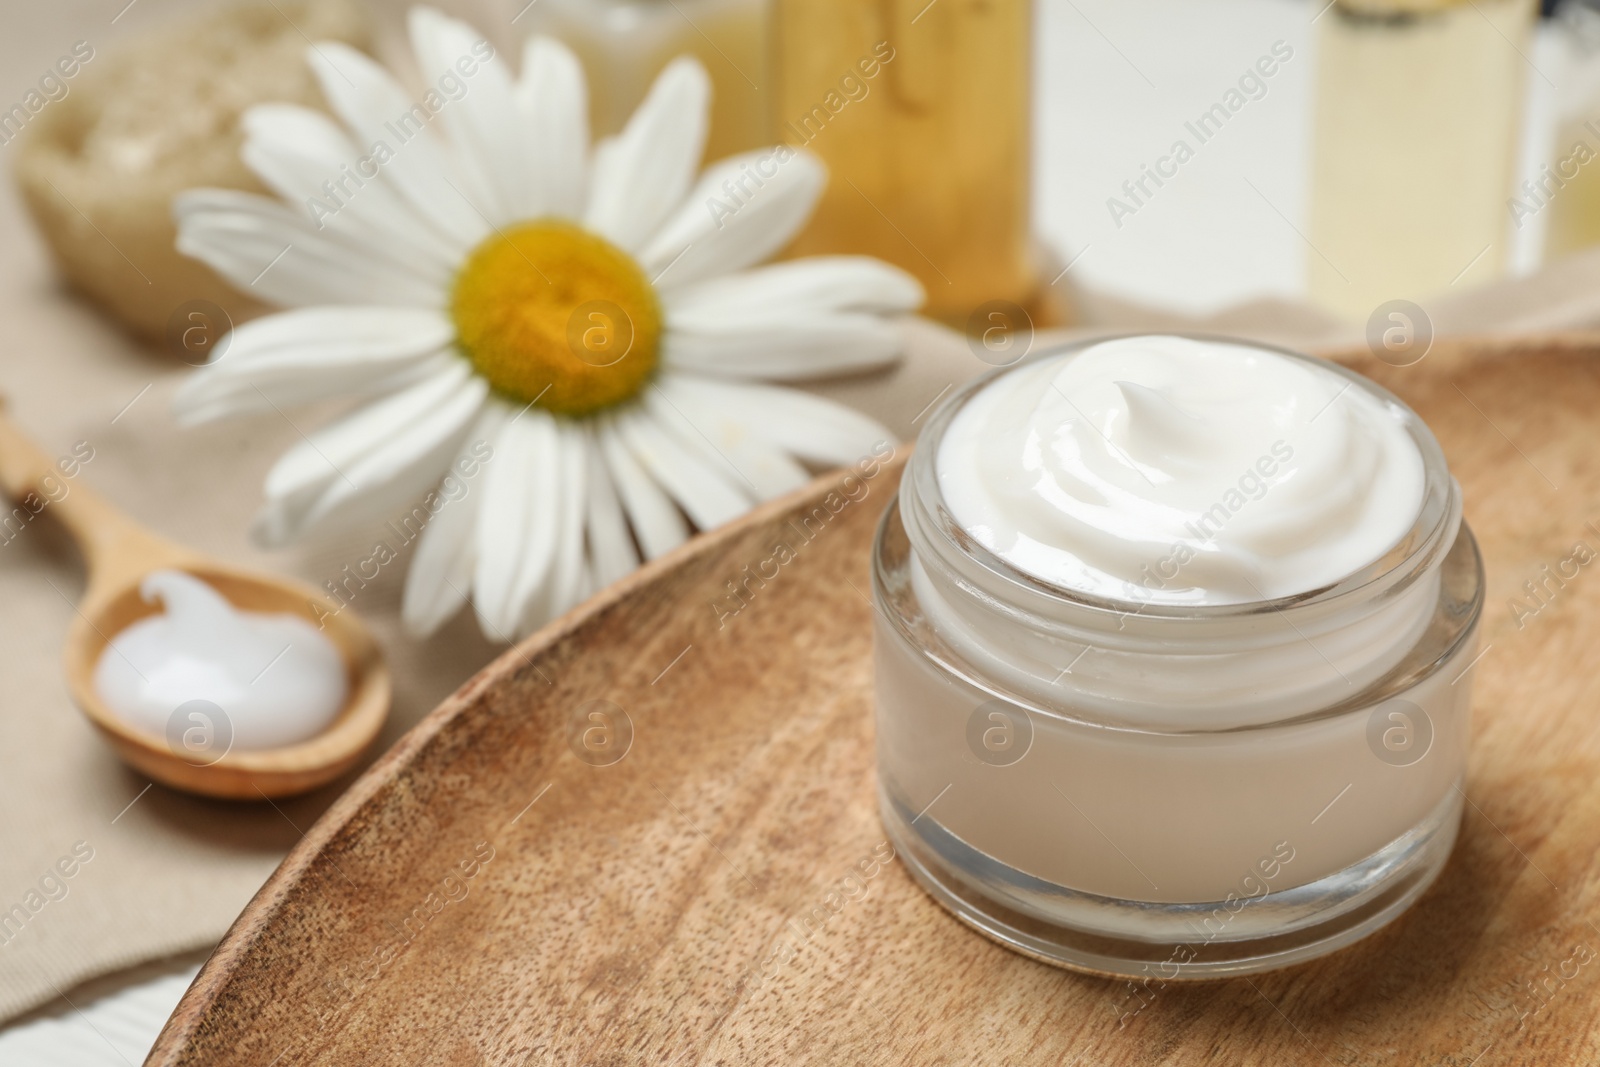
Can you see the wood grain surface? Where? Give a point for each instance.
(485, 896)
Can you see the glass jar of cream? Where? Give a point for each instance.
(1172, 652)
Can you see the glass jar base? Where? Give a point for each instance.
(1163, 941)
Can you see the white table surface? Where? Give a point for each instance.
(1115, 83)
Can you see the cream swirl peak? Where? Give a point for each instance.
(1170, 470)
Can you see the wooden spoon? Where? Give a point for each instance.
(119, 553)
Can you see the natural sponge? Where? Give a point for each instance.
(99, 166)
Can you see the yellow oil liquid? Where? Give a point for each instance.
(1413, 148)
(624, 44)
(921, 112)
(1574, 207)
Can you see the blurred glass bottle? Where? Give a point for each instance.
(624, 44)
(921, 111)
(1567, 188)
(1417, 112)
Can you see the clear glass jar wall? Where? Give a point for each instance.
(1116, 787)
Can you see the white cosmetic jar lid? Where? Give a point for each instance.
(1167, 667)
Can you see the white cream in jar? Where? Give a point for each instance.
(1178, 471)
(1148, 608)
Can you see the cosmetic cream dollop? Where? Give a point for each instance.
(1171, 470)
(275, 678)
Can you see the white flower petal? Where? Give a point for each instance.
(641, 174)
(565, 585)
(553, 101)
(715, 233)
(656, 521)
(722, 439)
(377, 110)
(309, 354)
(482, 123)
(612, 554)
(383, 453)
(301, 473)
(783, 348)
(702, 490)
(809, 285)
(518, 523)
(801, 319)
(809, 427)
(276, 254)
(304, 157)
(440, 576)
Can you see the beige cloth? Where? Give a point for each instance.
(165, 872)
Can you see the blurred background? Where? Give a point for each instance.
(1286, 169)
(1181, 157)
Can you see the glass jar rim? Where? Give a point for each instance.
(1429, 537)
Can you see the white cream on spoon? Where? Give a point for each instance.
(275, 677)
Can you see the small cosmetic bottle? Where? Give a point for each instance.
(624, 44)
(922, 113)
(1418, 107)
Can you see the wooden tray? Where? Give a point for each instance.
(483, 896)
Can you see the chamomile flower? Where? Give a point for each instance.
(587, 329)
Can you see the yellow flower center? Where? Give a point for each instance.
(554, 315)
